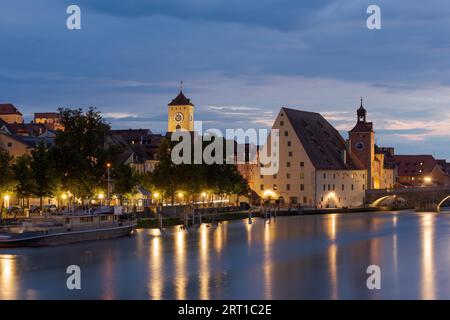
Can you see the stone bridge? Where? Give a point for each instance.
(421, 198)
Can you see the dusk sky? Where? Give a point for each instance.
(240, 62)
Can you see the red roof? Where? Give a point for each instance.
(415, 165)
(8, 108)
(48, 115)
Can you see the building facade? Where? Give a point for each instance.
(317, 167)
(420, 170)
(180, 114)
(10, 114)
(51, 120)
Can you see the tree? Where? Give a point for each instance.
(43, 173)
(80, 151)
(23, 175)
(124, 180)
(222, 179)
(6, 176)
(163, 176)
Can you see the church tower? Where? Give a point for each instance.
(181, 113)
(362, 143)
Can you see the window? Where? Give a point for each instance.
(274, 176)
(290, 153)
(288, 175)
(302, 164)
(302, 175)
(9, 144)
(324, 187)
(333, 187)
(288, 187)
(352, 187)
(288, 164)
(364, 187)
(281, 123)
(261, 176)
(261, 187)
(289, 143)
(324, 175)
(329, 187)
(286, 133)
(302, 187)
(304, 200)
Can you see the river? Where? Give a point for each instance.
(297, 257)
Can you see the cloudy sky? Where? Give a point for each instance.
(240, 62)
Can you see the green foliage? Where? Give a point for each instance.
(192, 179)
(124, 179)
(23, 174)
(80, 152)
(43, 172)
(6, 175)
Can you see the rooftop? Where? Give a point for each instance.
(8, 108)
(322, 142)
(181, 100)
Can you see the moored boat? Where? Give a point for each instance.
(67, 229)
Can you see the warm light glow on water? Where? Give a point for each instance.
(428, 269)
(156, 275)
(298, 257)
(218, 238)
(204, 262)
(8, 288)
(332, 226)
(332, 264)
(267, 263)
(181, 276)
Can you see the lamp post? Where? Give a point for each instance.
(108, 167)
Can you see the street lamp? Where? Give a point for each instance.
(180, 196)
(6, 200)
(100, 197)
(108, 169)
(427, 180)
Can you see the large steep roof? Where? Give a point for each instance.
(323, 143)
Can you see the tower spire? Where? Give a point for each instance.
(181, 85)
(361, 101)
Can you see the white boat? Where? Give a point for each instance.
(65, 229)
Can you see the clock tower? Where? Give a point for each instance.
(362, 143)
(181, 114)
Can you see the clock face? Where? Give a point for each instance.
(359, 145)
(178, 117)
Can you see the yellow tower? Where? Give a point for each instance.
(181, 114)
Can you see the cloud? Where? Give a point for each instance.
(240, 60)
(279, 14)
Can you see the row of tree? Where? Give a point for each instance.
(77, 160)
(192, 179)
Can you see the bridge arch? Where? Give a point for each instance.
(394, 197)
(442, 202)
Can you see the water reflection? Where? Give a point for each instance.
(330, 227)
(8, 286)
(156, 277)
(299, 257)
(109, 276)
(428, 271)
(180, 279)
(268, 262)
